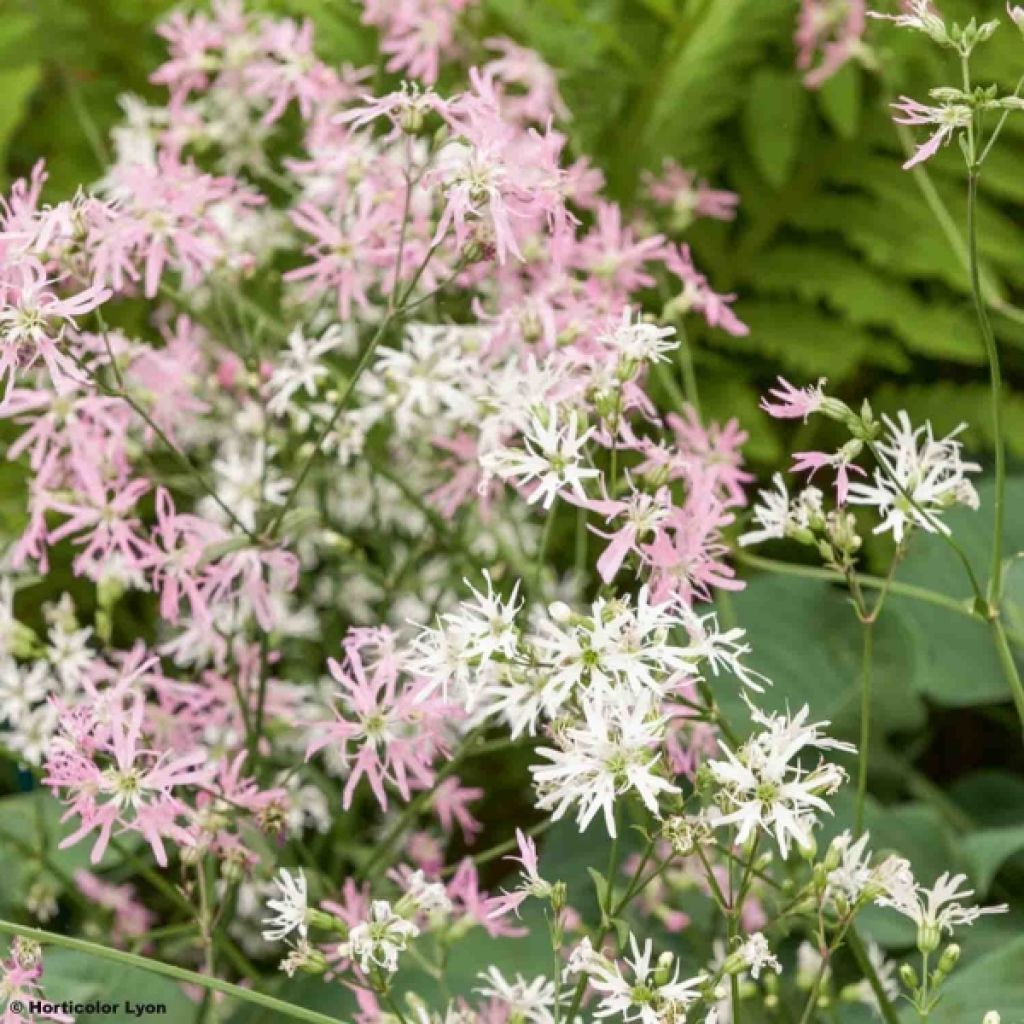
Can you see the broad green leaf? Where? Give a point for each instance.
(772, 120)
(840, 100)
(806, 638)
(83, 978)
(995, 982)
(16, 86)
(988, 850)
(958, 666)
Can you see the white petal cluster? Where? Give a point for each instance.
(935, 910)
(289, 909)
(551, 460)
(378, 941)
(530, 1001)
(614, 749)
(919, 477)
(642, 996)
(762, 789)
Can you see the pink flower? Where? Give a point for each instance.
(289, 71)
(688, 196)
(451, 805)
(131, 918)
(790, 403)
(385, 728)
(698, 294)
(416, 33)
(34, 322)
(949, 118)
(840, 461)
(686, 556)
(534, 95)
(115, 781)
(613, 255)
(640, 514)
(347, 252)
(829, 32)
(99, 513)
(717, 451)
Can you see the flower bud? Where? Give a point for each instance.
(663, 970)
(949, 958)
(559, 896)
(928, 938)
(909, 977)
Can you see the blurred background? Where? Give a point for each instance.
(846, 267)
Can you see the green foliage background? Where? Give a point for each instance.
(842, 271)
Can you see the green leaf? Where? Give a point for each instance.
(988, 850)
(772, 120)
(840, 100)
(777, 613)
(958, 664)
(600, 886)
(82, 978)
(995, 982)
(16, 86)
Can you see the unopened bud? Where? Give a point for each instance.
(909, 977)
(928, 938)
(949, 958)
(663, 970)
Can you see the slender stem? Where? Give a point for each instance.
(885, 1007)
(996, 378)
(144, 963)
(864, 580)
(182, 457)
(542, 548)
(685, 353)
(1009, 665)
(865, 724)
(339, 408)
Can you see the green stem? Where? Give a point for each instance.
(864, 962)
(168, 971)
(996, 378)
(864, 580)
(865, 724)
(1009, 664)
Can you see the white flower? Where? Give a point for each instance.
(455, 657)
(612, 750)
(301, 367)
(762, 790)
(551, 458)
(290, 909)
(756, 955)
(639, 340)
(779, 516)
(531, 1001)
(641, 999)
(934, 910)
(246, 479)
(854, 877)
(432, 382)
(426, 897)
(918, 478)
(721, 650)
(377, 941)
